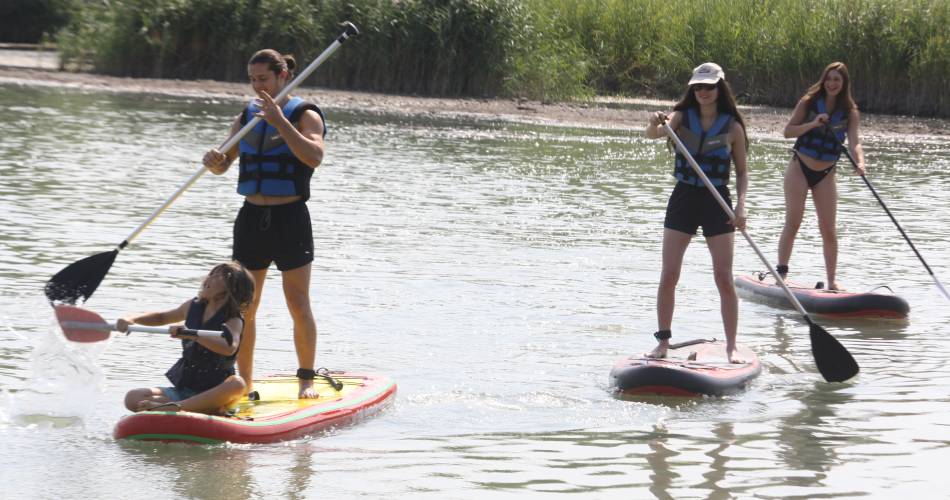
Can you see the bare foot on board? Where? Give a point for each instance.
(226, 411)
(734, 357)
(307, 390)
(158, 406)
(660, 350)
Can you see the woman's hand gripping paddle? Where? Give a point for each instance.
(81, 325)
(888, 212)
(81, 278)
(834, 362)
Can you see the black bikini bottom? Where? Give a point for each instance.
(813, 177)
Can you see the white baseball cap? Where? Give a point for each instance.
(707, 73)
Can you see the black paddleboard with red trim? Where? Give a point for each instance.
(832, 303)
(693, 368)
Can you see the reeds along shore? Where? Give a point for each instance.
(898, 51)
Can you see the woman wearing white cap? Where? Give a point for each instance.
(823, 118)
(709, 124)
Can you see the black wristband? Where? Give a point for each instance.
(227, 335)
(663, 334)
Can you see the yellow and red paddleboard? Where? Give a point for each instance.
(277, 416)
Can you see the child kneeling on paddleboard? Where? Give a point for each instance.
(203, 379)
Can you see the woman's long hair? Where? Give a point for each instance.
(238, 286)
(844, 101)
(725, 103)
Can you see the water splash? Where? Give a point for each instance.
(63, 386)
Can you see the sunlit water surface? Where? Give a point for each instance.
(496, 271)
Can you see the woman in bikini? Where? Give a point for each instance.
(824, 117)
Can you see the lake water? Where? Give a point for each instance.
(495, 271)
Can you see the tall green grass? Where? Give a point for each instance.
(898, 50)
(431, 47)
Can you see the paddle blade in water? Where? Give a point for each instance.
(79, 279)
(80, 325)
(834, 361)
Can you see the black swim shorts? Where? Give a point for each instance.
(693, 206)
(280, 233)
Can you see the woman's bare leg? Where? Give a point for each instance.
(796, 191)
(825, 197)
(674, 247)
(721, 248)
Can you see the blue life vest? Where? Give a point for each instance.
(818, 143)
(200, 368)
(267, 164)
(710, 149)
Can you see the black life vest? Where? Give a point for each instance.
(818, 142)
(267, 165)
(199, 368)
(710, 149)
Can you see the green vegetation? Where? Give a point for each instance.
(429, 47)
(898, 50)
(32, 21)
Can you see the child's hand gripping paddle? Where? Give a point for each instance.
(81, 325)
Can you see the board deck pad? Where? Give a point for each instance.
(277, 416)
(692, 368)
(832, 303)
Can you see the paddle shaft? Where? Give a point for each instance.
(867, 183)
(732, 215)
(185, 332)
(349, 31)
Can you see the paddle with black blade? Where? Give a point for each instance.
(81, 278)
(864, 177)
(833, 360)
(83, 325)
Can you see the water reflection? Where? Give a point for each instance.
(719, 467)
(191, 471)
(659, 458)
(806, 443)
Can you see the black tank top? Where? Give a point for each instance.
(200, 369)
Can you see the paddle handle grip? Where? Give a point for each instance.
(348, 31)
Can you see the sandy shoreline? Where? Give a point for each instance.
(613, 113)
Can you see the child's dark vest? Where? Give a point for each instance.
(200, 369)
